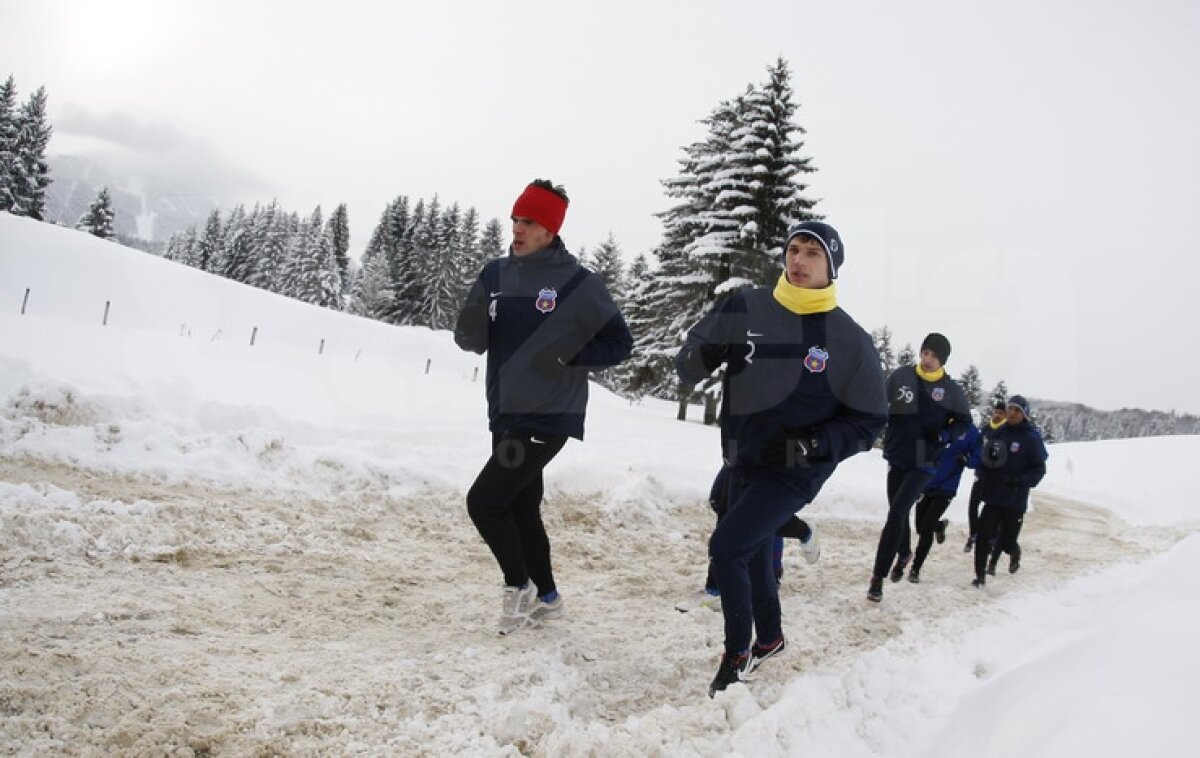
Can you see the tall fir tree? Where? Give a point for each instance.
(208, 245)
(999, 393)
(337, 236)
(97, 220)
(972, 386)
(609, 266)
(268, 249)
(8, 144)
(236, 261)
(907, 356)
(882, 337)
(32, 175)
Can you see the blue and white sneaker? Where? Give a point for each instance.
(543, 610)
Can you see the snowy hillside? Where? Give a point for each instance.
(232, 523)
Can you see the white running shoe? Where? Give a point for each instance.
(515, 607)
(701, 599)
(543, 611)
(811, 550)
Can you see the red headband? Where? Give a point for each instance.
(541, 205)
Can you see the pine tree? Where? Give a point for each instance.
(268, 249)
(313, 275)
(97, 220)
(8, 144)
(443, 280)
(491, 242)
(236, 254)
(765, 169)
(337, 236)
(907, 356)
(467, 257)
(999, 393)
(882, 337)
(371, 294)
(607, 264)
(972, 386)
(32, 174)
(208, 246)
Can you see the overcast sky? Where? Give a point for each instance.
(1021, 176)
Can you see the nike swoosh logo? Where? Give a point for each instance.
(753, 334)
(536, 441)
(494, 294)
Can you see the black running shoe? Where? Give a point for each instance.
(760, 652)
(898, 569)
(978, 582)
(941, 531)
(875, 591)
(991, 569)
(1014, 562)
(970, 544)
(731, 671)
(914, 576)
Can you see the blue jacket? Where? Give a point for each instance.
(526, 312)
(923, 417)
(788, 376)
(1012, 461)
(963, 451)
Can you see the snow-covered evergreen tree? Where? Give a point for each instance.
(8, 144)
(907, 356)
(208, 244)
(972, 385)
(313, 274)
(32, 174)
(609, 266)
(236, 251)
(491, 242)
(269, 248)
(882, 337)
(443, 277)
(337, 236)
(999, 393)
(97, 220)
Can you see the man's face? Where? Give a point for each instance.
(529, 236)
(998, 415)
(1014, 415)
(806, 264)
(929, 361)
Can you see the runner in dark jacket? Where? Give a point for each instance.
(941, 489)
(927, 410)
(802, 391)
(1012, 463)
(544, 322)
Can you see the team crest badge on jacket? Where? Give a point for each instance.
(816, 359)
(938, 393)
(547, 299)
(1015, 447)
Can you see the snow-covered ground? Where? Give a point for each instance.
(214, 547)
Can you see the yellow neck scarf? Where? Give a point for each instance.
(994, 425)
(930, 376)
(805, 301)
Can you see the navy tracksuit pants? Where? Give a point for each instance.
(741, 550)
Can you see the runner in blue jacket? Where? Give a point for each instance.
(802, 391)
(942, 488)
(544, 322)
